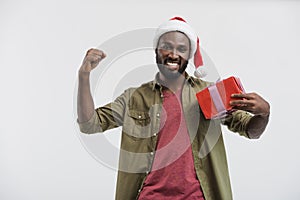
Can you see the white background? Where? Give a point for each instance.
(42, 44)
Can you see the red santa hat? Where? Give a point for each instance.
(179, 24)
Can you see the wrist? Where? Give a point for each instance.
(83, 76)
(83, 73)
(265, 115)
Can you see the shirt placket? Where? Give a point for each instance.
(156, 123)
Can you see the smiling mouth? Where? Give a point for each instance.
(172, 64)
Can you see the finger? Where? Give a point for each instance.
(92, 57)
(244, 107)
(95, 57)
(96, 52)
(241, 102)
(243, 95)
(238, 95)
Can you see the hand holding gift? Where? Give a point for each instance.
(251, 102)
(227, 95)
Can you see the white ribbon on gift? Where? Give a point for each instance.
(217, 100)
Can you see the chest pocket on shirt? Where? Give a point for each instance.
(137, 125)
(140, 118)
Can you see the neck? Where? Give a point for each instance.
(173, 84)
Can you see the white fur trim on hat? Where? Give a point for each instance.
(176, 25)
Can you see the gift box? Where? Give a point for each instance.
(214, 100)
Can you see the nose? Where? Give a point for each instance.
(173, 54)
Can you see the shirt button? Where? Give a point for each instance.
(157, 114)
(151, 153)
(140, 116)
(155, 134)
(139, 190)
(147, 172)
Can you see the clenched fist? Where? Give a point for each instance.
(91, 60)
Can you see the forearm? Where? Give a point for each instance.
(257, 125)
(85, 103)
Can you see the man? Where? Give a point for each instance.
(168, 149)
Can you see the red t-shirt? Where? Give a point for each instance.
(173, 173)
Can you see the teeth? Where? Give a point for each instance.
(172, 64)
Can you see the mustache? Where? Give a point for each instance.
(172, 60)
(160, 60)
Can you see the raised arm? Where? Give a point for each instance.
(259, 107)
(85, 103)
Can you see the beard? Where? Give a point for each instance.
(170, 74)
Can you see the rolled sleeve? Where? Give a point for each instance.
(91, 126)
(108, 116)
(237, 121)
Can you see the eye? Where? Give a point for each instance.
(182, 49)
(166, 46)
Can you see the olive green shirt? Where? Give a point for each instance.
(138, 111)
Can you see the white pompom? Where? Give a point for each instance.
(201, 72)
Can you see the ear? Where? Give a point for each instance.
(190, 50)
(156, 55)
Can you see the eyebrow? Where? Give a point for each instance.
(180, 45)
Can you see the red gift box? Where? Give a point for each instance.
(214, 100)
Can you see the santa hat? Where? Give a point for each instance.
(179, 24)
